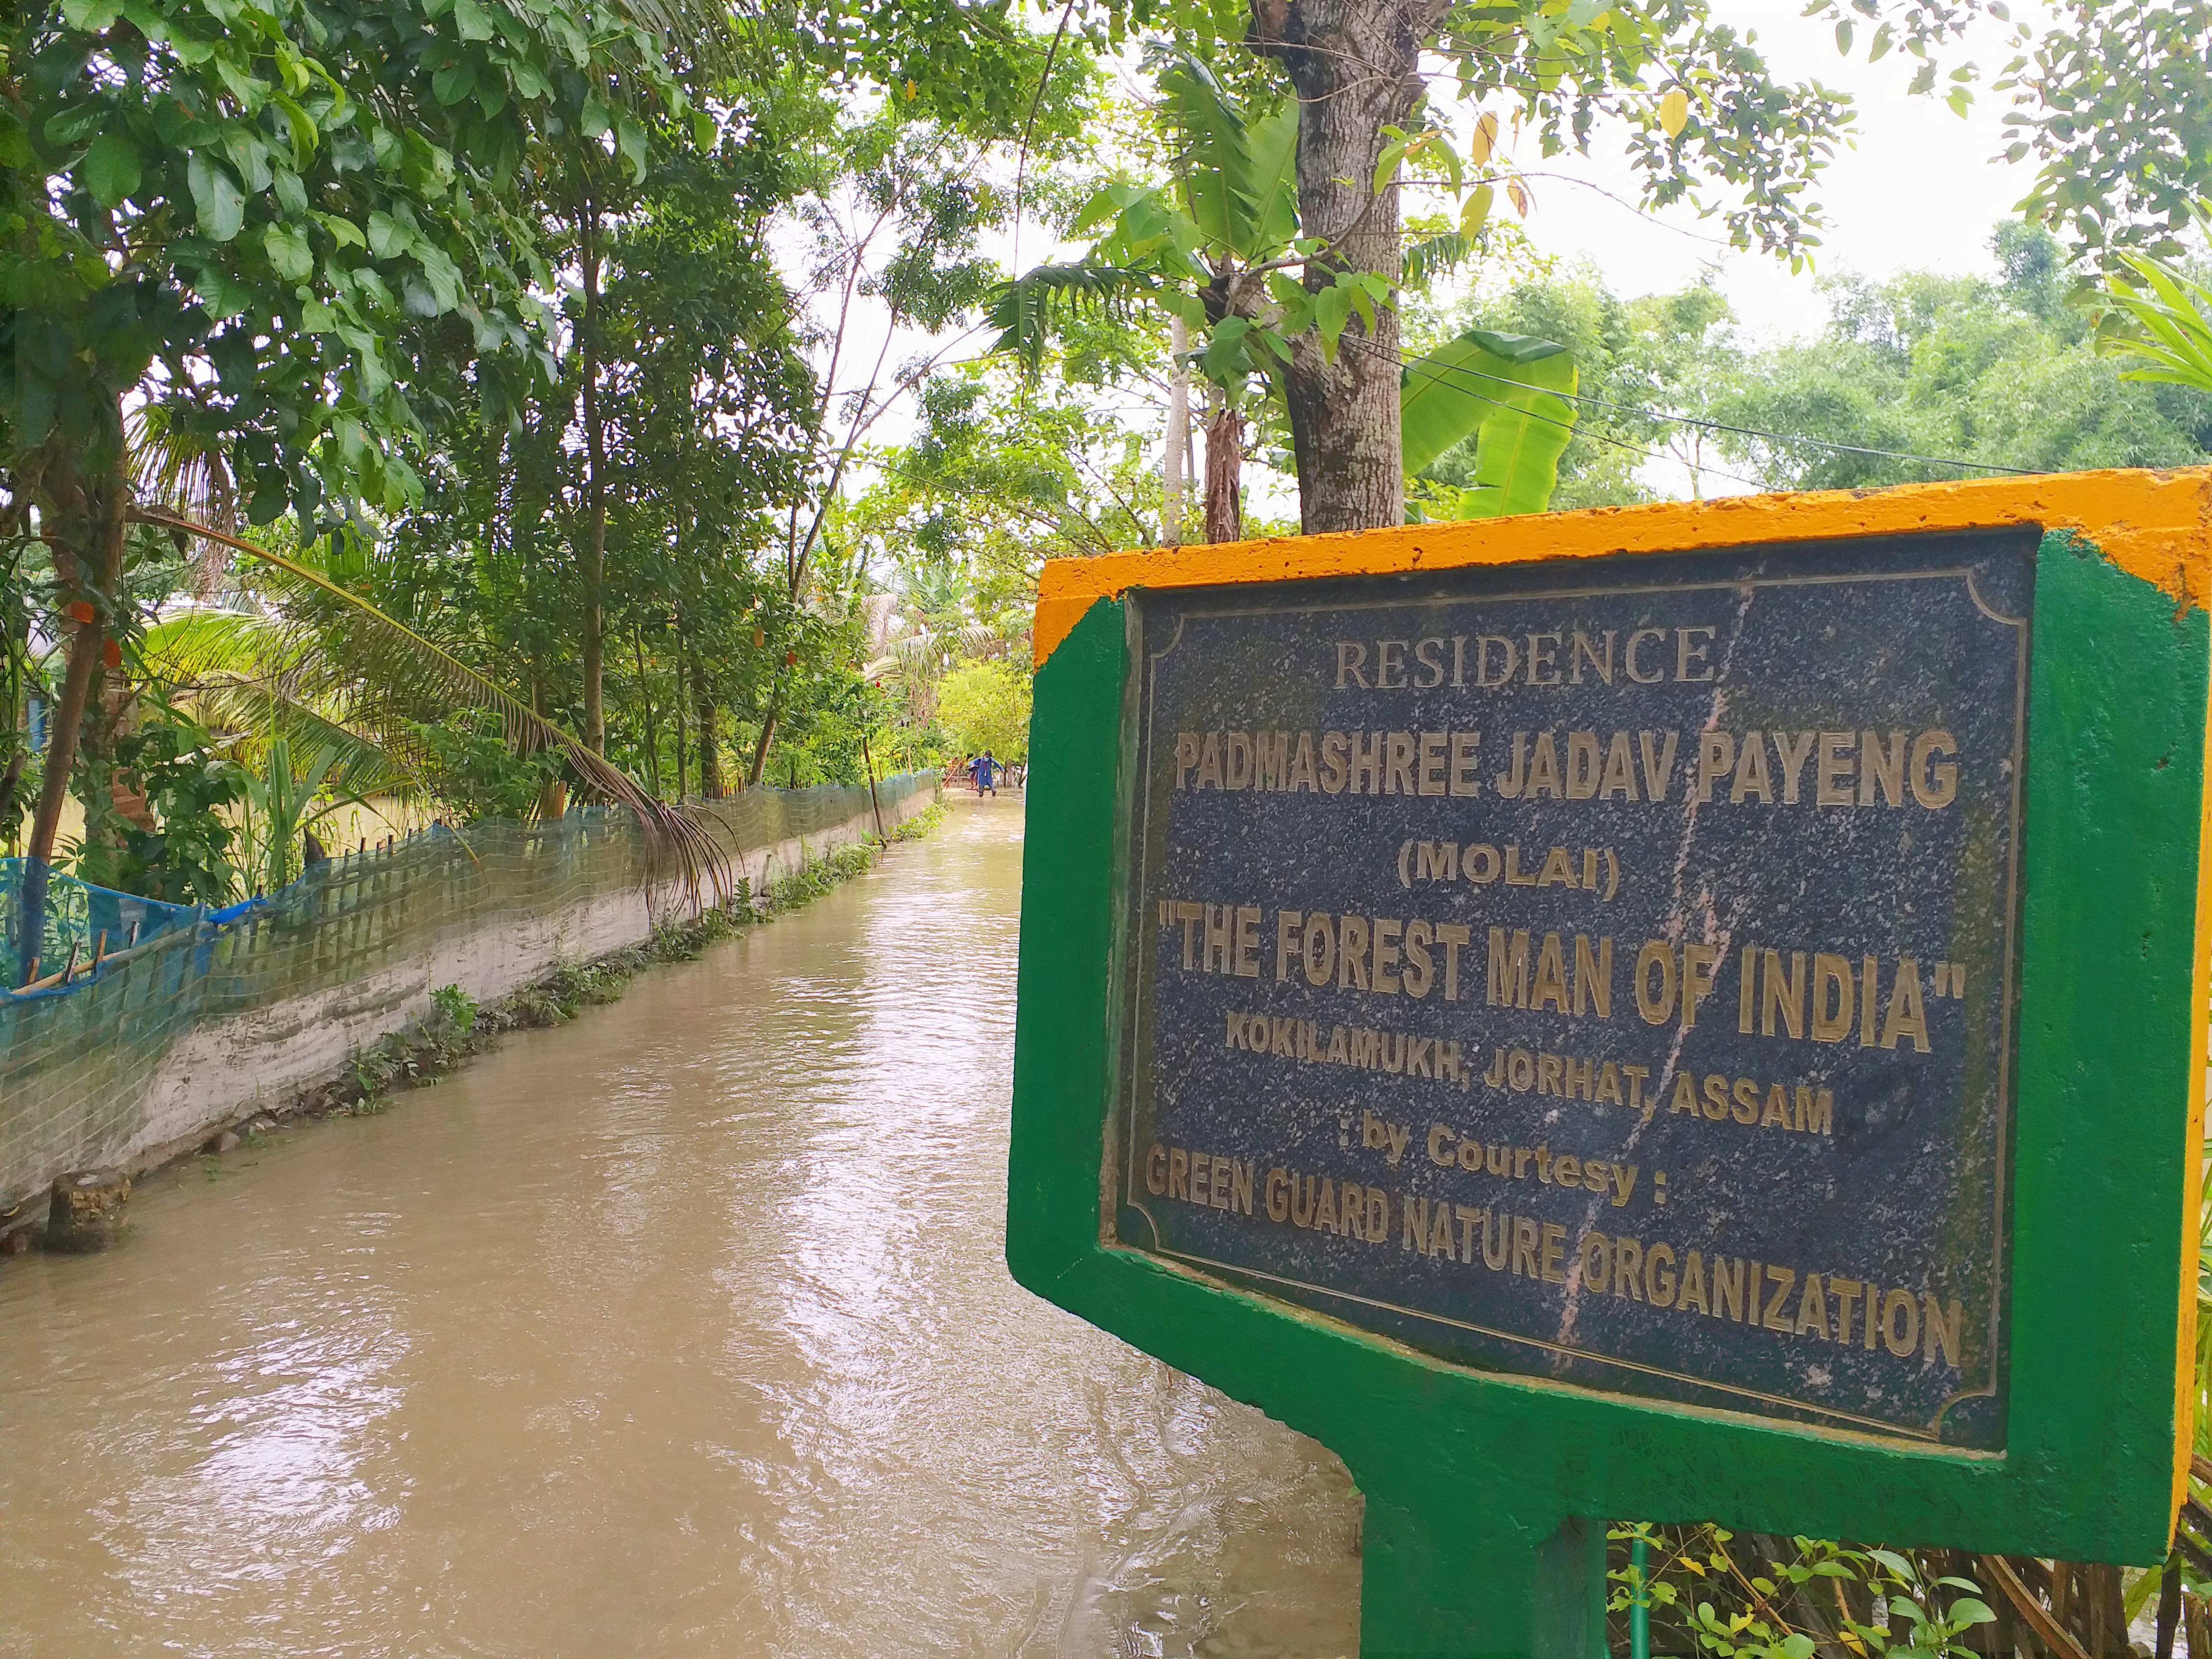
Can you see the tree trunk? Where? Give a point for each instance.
(682, 657)
(710, 757)
(86, 528)
(767, 737)
(1178, 435)
(595, 488)
(652, 731)
(1225, 470)
(1355, 66)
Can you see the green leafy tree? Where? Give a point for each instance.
(256, 219)
(2113, 100)
(1217, 247)
(1704, 123)
(1922, 370)
(477, 774)
(986, 705)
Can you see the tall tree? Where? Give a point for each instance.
(2113, 98)
(1704, 124)
(1354, 69)
(254, 218)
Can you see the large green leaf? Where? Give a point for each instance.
(1273, 142)
(1514, 393)
(1236, 171)
(1023, 310)
(1215, 160)
(2173, 322)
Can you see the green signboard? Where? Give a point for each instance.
(1613, 1016)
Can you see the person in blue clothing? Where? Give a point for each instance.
(986, 772)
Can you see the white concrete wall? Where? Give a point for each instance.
(223, 1071)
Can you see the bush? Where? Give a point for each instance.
(187, 858)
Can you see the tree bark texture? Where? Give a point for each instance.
(595, 488)
(1354, 65)
(767, 737)
(1225, 470)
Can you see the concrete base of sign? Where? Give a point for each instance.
(1446, 1576)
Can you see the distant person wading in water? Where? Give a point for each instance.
(986, 771)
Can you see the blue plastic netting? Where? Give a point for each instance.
(92, 920)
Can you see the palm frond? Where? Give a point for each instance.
(1434, 255)
(178, 459)
(392, 676)
(1023, 310)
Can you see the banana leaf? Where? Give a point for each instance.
(1513, 394)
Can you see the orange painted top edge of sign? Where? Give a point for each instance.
(2155, 526)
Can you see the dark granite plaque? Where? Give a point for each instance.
(1603, 973)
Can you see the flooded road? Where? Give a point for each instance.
(681, 1330)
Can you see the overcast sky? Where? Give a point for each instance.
(1918, 193)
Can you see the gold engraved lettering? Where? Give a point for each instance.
(1618, 776)
(1751, 778)
(1248, 941)
(1716, 759)
(1658, 763)
(1628, 1268)
(1509, 969)
(1584, 652)
(1655, 1003)
(1544, 770)
(1464, 747)
(1688, 656)
(1367, 751)
(1431, 762)
(1582, 765)
(1883, 768)
(1782, 994)
(1628, 660)
(1832, 770)
(1320, 948)
(1398, 763)
(1935, 783)
(1792, 757)
(1831, 997)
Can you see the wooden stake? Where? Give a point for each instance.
(2039, 1621)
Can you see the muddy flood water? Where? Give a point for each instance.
(681, 1330)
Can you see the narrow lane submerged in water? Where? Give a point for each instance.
(681, 1330)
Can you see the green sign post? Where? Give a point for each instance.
(1681, 1014)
